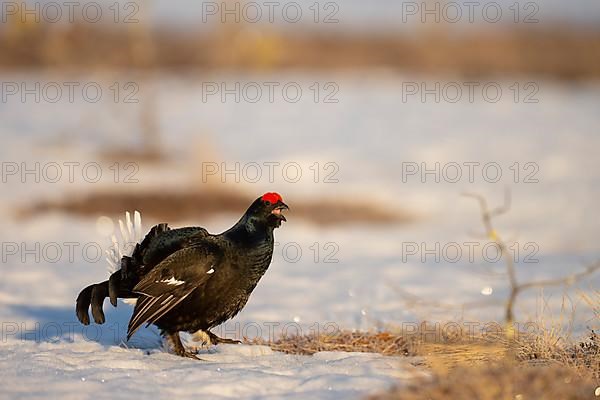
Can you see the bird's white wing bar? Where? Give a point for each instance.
(171, 281)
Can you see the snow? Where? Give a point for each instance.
(368, 135)
(85, 369)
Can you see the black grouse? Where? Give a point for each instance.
(187, 279)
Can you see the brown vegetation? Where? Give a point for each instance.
(175, 206)
(498, 381)
(384, 343)
(506, 365)
(446, 349)
(550, 51)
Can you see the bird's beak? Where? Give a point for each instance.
(279, 207)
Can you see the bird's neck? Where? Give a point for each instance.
(250, 230)
(256, 242)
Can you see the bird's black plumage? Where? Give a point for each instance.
(187, 279)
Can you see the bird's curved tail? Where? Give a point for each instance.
(118, 256)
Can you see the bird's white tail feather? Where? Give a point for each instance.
(131, 233)
(124, 244)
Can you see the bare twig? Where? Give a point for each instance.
(487, 216)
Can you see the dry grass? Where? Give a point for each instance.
(443, 351)
(384, 343)
(502, 365)
(499, 381)
(582, 357)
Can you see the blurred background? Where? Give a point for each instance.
(370, 118)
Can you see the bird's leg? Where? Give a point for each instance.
(178, 348)
(214, 339)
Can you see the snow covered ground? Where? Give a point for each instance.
(85, 369)
(370, 135)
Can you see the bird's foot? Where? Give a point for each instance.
(190, 353)
(179, 349)
(202, 338)
(214, 339)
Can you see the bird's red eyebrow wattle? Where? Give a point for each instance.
(272, 197)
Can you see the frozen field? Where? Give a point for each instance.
(371, 136)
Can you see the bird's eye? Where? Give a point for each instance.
(268, 202)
